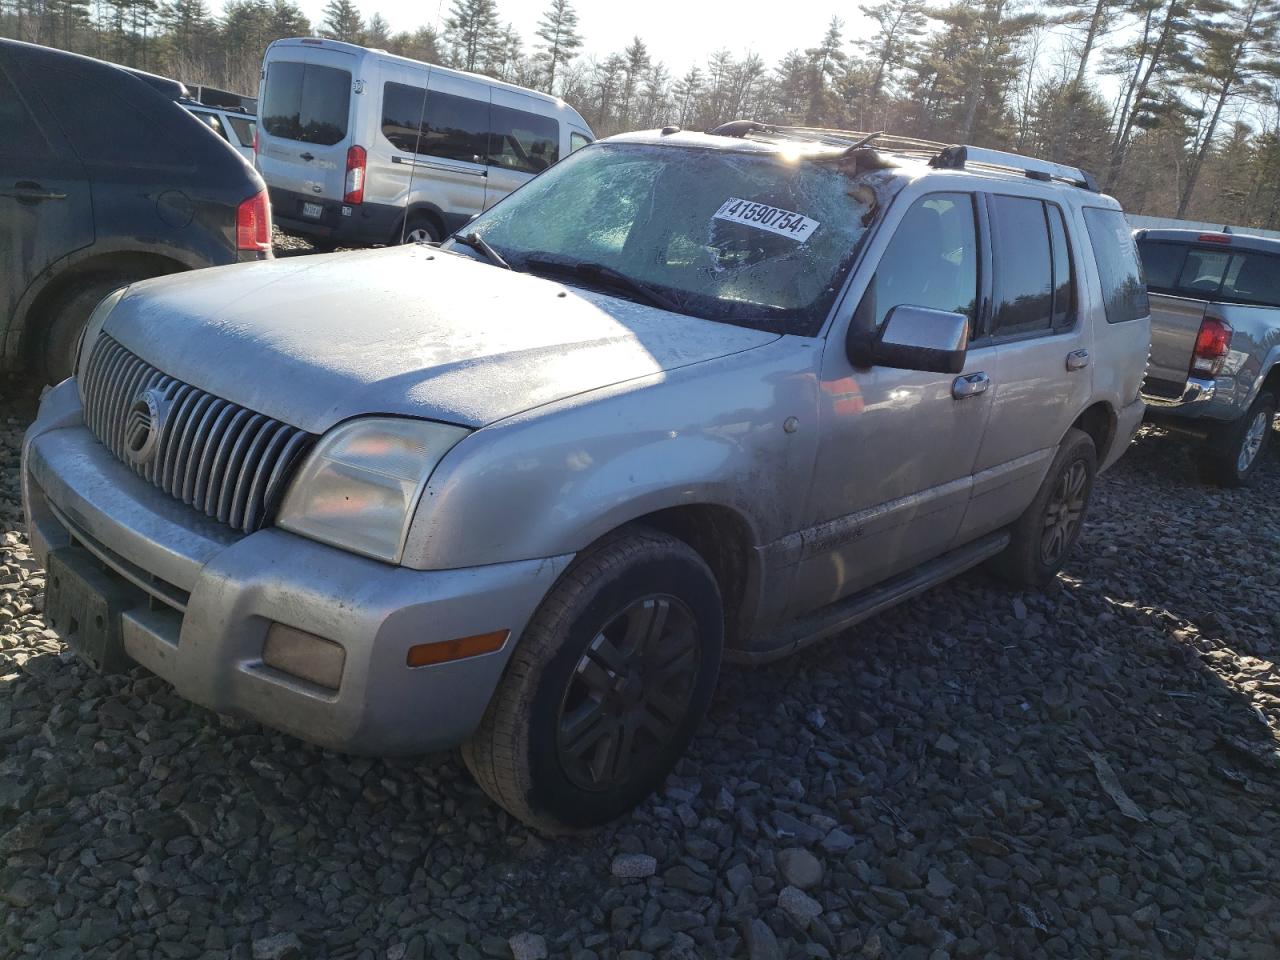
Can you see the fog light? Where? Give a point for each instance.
(425, 654)
(304, 655)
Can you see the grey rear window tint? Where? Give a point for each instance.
(1124, 289)
(306, 102)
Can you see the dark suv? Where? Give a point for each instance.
(104, 180)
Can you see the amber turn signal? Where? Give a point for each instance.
(426, 654)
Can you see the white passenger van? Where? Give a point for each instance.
(358, 146)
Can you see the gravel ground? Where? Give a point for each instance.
(1091, 772)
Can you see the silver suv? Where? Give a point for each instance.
(683, 397)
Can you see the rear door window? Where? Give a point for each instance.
(1124, 289)
(523, 141)
(1023, 266)
(306, 102)
(112, 118)
(19, 134)
(932, 261)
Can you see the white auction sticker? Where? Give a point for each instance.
(785, 223)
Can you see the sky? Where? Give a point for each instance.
(680, 33)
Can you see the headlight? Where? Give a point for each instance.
(358, 488)
(89, 335)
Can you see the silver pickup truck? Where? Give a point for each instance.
(1215, 344)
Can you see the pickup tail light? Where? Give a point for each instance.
(1214, 238)
(354, 187)
(253, 224)
(1212, 342)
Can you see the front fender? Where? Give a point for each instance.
(550, 481)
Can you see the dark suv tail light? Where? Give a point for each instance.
(354, 187)
(1212, 343)
(253, 224)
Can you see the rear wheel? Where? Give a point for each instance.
(606, 687)
(1235, 451)
(1047, 531)
(67, 318)
(421, 229)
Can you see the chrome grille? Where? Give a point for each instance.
(220, 458)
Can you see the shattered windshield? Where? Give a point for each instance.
(746, 238)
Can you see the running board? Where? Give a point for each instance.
(845, 613)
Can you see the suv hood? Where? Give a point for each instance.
(407, 330)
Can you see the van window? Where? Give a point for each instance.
(306, 102)
(577, 141)
(932, 261)
(402, 112)
(1023, 266)
(457, 128)
(523, 141)
(1124, 289)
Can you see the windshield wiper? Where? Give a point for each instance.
(589, 270)
(480, 245)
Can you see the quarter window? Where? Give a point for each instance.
(577, 141)
(306, 102)
(211, 121)
(523, 141)
(1064, 281)
(1124, 289)
(244, 128)
(1023, 266)
(931, 261)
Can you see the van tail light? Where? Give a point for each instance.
(253, 223)
(1212, 343)
(354, 188)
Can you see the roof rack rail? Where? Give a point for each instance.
(941, 155)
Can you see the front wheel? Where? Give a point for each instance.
(1235, 452)
(606, 687)
(1048, 529)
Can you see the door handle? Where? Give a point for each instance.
(307, 156)
(28, 192)
(970, 385)
(1077, 359)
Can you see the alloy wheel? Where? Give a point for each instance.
(1252, 442)
(629, 694)
(1063, 512)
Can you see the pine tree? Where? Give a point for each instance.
(686, 92)
(900, 25)
(469, 31)
(826, 62)
(558, 30)
(186, 23)
(637, 63)
(378, 33)
(1240, 48)
(423, 44)
(342, 21)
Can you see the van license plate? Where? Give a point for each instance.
(312, 210)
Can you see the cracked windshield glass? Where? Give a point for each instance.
(753, 239)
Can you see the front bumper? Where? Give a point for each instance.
(210, 595)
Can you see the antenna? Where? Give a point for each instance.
(413, 164)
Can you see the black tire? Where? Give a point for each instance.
(1045, 534)
(1234, 452)
(419, 229)
(557, 693)
(67, 318)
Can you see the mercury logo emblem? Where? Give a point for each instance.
(144, 425)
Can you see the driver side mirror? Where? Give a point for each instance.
(913, 338)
